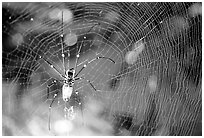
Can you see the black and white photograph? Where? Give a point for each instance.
(101, 68)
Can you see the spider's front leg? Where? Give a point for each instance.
(85, 65)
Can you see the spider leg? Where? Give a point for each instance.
(78, 53)
(78, 78)
(50, 107)
(77, 57)
(85, 65)
(91, 84)
(80, 106)
(53, 67)
(62, 45)
(48, 87)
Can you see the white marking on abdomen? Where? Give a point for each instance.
(66, 92)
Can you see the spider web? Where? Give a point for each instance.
(157, 91)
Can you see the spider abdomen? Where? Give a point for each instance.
(66, 92)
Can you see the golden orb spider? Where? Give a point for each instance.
(68, 82)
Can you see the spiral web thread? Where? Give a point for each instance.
(174, 106)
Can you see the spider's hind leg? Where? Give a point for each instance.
(50, 107)
(92, 86)
(48, 87)
(80, 103)
(90, 83)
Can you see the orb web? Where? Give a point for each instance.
(153, 88)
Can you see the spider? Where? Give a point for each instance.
(68, 83)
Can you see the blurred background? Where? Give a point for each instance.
(154, 87)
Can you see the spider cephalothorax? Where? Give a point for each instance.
(70, 77)
(70, 73)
